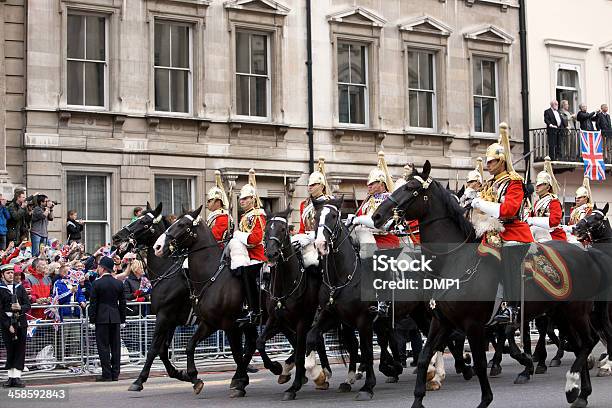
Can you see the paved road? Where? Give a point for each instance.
(544, 391)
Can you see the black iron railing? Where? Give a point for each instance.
(568, 149)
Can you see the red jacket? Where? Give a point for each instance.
(254, 222)
(220, 227)
(515, 229)
(555, 216)
(39, 290)
(383, 240)
(303, 205)
(414, 228)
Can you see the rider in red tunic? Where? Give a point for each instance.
(502, 197)
(219, 220)
(583, 208)
(547, 214)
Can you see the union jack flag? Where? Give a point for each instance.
(591, 147)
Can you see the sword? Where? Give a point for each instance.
(355, 198)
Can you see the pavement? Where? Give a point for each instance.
(543, 391)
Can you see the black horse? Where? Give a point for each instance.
(168, 296)
(441, 221)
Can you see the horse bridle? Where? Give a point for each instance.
(148, 228)
(595, 228)
(283, 243)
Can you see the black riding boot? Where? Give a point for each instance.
(249, 282)
(512, 261)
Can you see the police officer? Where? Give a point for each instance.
(107, 312)
(14, 304)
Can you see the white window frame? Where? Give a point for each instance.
(268, 77)
(108, 204)
(434, 102)
(578, 89)
(189, 70)
(366, 85)
(496, 98)
(191, 187)
(73, 12)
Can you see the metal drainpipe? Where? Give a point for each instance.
(309, 131)
(524, 84)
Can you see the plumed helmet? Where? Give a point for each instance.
(501, 150)
(381, 173)
(547, 176)
(477, 173)
(218, 192)
(318, 176)
(584, 190)
(250, 189)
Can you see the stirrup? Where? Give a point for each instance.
(506, 316)
(250, 318)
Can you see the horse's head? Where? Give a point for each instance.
(329, 224)
(180, 235)
(410, 198)
(277, 235)
(593, 226)
(141, 231)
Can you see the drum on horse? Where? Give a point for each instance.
(595, 228)
(217, 296)
(441, 221)
(293, 300)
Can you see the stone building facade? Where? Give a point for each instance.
(142, 100)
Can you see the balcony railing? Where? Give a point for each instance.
(569, 146)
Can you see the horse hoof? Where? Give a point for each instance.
(555, 362)
(433, 385)
(392, 380)
(387, 370)
(467, 359)
(237, 393)
(521, 379)
(541, 369)
(320, 380)
(468, 373)
(430, 374)
(572, 396)
(234, 384)
(276, 368)
(359, 376)
(289, 396)
(579, 403)
(282, 379)
(364, 396)
(323, 387)
(197, 387)
(495, 370)
(344, 387)
(603, 372)
(135, 387)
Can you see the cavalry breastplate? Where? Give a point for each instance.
(212, 218)
(247, 222)
(579, 213)
(372, 202)
(542, 206)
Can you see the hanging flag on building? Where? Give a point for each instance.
(591, 147)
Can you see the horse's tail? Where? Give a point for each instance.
(601, 313)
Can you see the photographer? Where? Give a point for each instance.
(21, 215)
(74, 227)
(14, 305)
(41, 215)
(4, 217)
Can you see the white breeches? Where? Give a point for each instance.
(309, 252)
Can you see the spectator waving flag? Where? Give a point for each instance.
(591, 147)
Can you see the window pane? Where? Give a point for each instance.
(426, 109)
(94, 84)
(180, 46)
(343, 63)
(96, 198)
(426, 71)
(76, 36)
(74, 82)
(96, 38)
(162, 96)
(488, 78)
(259, 96)
(358, 64)
(242, 53)
(343, 107)
(95, 236)
(163, 194)
(259, 58)
(477, 77)
(180, 91)
(413, 108)
(488, 115)
(75, 186)
(162, 45)
(182, 195)
(357, 104)
(413, 69)
(242, 95)
(477, 115)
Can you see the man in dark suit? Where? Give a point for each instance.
(107, 312)
(554, 123)
(585, 118)
(604, 124)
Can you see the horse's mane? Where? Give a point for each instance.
(455, 211)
